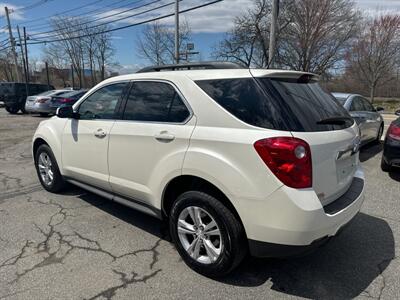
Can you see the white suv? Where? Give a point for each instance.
(236, 160)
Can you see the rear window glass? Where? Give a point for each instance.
(276, 103)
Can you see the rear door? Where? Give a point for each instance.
(373, 119)
(149, 143)
(357, 111)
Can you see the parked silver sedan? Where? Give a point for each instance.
(41, 103)
(368, 118)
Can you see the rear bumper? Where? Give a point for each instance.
(391, 152)
(37, 108)
(292, 221)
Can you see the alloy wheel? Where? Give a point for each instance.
(199, 235)
(45, 168)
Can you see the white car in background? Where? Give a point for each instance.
(236, 160)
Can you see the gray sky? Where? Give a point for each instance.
(379, 5)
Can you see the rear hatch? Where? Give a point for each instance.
(294, 102)
(315, 116)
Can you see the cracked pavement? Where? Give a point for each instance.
(77, 245)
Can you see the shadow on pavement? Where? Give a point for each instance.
(395, 174)
(341, 269)
(369, 151)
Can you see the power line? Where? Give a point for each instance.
(70, 10)
(33, 5)
(130, 25)
(97, 19)
(101, 9)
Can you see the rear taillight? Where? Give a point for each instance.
(288, 158)
(394, 132)
(41, 100)
(66, 100)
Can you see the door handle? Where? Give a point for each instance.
(164, 137)
(100, 133)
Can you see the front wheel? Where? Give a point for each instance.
(207, 235)
(385, 166)
(12, 109)
(47, 169)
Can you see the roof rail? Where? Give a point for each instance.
(191, 66)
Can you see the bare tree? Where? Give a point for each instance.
(84, 45)
(318, 35)
(375, 53)
(312, 36)
(156, 43)
(58, 64)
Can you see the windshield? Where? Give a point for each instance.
(277, 103)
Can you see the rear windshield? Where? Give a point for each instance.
(276, 103)
(46, 93)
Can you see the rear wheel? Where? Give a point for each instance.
(385, 166)
(207, 235)
(47, 170)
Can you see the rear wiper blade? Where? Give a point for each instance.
(341, 120)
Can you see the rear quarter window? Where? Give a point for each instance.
(276, 103)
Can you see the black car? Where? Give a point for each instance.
(67, 99)
(14, 94)
(391, 146)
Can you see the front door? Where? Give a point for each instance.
(85, 140)
(149, 143)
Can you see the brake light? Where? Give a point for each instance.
(394, 132)
(66, 100)
(42, 100)
(288, 158)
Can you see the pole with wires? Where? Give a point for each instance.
(272, 35)
(26, 56)
(23, 62)
(12, 41)
(177, 31)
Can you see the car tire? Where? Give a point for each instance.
(217, 255)
(385, 166)
(12, 110)
(23, 110)
(46, 167)
(44, 114)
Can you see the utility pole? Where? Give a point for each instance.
(272, 35)
(26, 56)
(23, 61)
(177, 31)
(12, 44)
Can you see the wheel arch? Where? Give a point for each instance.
(184, 183)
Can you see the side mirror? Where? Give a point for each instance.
(397, 113)
(380, 108)
(66, 112)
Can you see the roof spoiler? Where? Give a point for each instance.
(191, 66)
(301, 77)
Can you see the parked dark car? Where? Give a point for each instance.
(391, 146)
(67, 99)
(368, 118)
(14, 94)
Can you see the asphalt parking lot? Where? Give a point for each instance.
(80, 246)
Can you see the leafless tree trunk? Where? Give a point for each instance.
(374, 54)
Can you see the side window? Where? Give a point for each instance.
(367, 105)
(356, 104)
(156, 102)
(102, 103)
